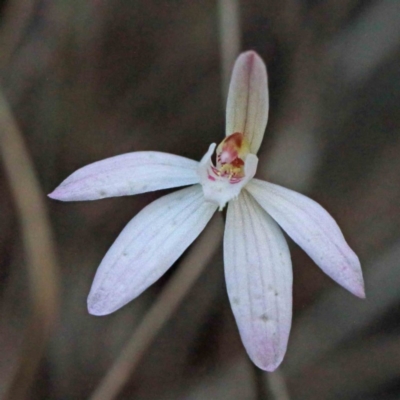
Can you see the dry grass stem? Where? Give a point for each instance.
(229, 37)
(39, 250)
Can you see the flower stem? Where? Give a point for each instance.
(229, 37)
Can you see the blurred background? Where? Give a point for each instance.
(86, 80)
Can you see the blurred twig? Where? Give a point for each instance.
(35, 226)
(353, 370)
(260, 383)
(270, 385)
(229, 36)
(16, 18)
(338, 309)
(40, 255)
(373, 38)
(277, 386)
(161, 311)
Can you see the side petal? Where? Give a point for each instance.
(151, 242)
(314, 230)
(127, 174)
(258, 274)
(248, 103)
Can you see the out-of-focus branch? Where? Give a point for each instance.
(277, 386)
(261, 384)
(352, 372)
(313, 336)
(229, 37)
(165, 305)
(16, 18)
(286, 21)
(270, 385)
(35, 226)
(373, 38)
(231, 380)
(39, 250)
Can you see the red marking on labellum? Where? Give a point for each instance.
(237, 162)
(228, 150)
(216, 171)
(231, 155)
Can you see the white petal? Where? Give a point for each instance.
(248, 103)
(151, 242)
(258, 274)
(127, 174)
(314, 230)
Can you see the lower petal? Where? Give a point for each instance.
(258, 275)
(151, 242)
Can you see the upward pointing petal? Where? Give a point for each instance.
(151, 242)
(248, 103)
(127, 174)
(314, 230)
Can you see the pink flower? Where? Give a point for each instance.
(257, 261)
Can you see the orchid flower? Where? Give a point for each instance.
(258, 268)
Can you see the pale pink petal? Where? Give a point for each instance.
(314, 230)
(127, 174)
(151, 242)
(248, 103)
(258, 274)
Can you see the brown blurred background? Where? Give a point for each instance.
(86, 80)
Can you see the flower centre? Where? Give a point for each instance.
(235, 167)
(231, 155)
